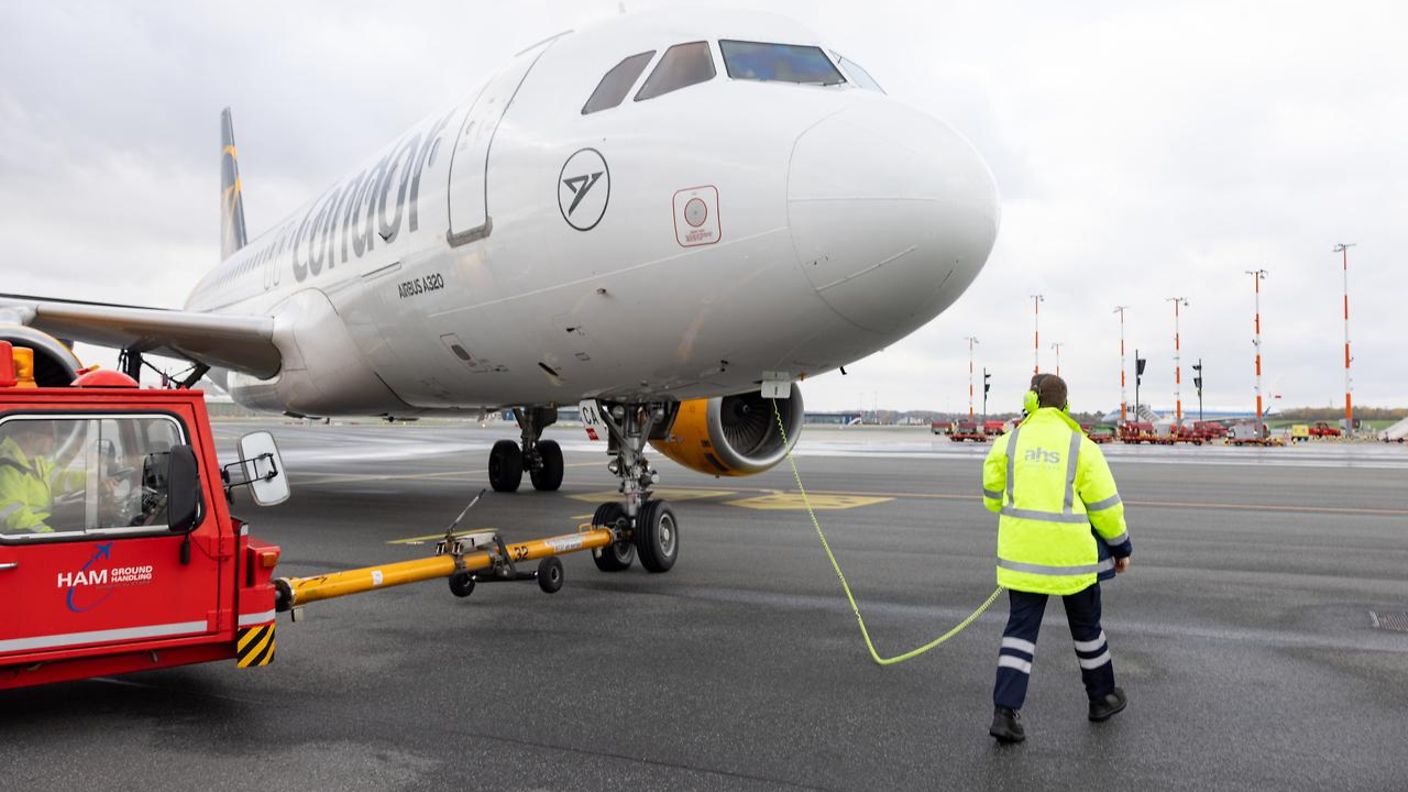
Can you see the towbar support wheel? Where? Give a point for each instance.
(550, 575)
(462, 584)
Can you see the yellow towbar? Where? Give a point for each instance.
(458, 560)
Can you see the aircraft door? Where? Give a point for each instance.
(469, 163)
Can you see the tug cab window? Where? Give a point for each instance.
(84, 475)
(681, 66)
(617, 83)
(751, 60)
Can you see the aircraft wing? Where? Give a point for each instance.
(241, 343)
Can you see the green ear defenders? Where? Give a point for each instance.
(1031, 401)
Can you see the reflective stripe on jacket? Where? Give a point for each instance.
(1051, 485)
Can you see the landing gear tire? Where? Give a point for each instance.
(548, 477)
(506, 466)
(461, 584)
(657, 536)
(550, 575)
(614, 557)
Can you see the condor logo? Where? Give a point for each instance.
(583, 189)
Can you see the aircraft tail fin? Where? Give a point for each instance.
(232, 233)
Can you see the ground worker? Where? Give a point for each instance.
(28, 476)
(1051, 486)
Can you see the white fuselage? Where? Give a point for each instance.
(732, 227)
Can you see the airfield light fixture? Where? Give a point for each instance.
(1037, 300)
(971, 341)
(1343, 248)
(1177, 368)
(1257, 277)
(1120, 309)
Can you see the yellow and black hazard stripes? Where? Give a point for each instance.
(255, 646)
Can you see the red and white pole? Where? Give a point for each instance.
(971, 341)
(1177, 367)
(1257, 276)
(1119, 309)
(1343, 248)
(1037, 300)
(1057, 346)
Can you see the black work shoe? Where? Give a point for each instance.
(1007, 726)
(1105, 707)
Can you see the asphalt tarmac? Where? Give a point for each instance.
(1243, 634)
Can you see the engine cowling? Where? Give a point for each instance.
(55, 365)
(733, 435)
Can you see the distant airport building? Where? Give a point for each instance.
(846, 418)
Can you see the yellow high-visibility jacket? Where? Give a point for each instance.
(1051, 485)
(27, 489)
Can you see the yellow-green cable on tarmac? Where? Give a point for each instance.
(864, 633)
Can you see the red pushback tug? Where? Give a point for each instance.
(118, 552)
(126, 559)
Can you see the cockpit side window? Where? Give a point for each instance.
(681, 66)
(752, 60)
(617, 83)
(858, 75)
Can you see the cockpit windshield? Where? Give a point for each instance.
(617, 83)
(681, 66)
(858, 75)
(751, 60)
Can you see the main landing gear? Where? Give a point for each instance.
(645, 527)
(541, 458)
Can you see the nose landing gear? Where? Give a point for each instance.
(645, 527)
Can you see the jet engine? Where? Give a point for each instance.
(55, 365)
(733, 435)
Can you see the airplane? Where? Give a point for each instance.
(658, 218)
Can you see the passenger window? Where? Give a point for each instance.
(751, 60)
(683, 65)
(617, 83)
(858, 75)
(84, 475)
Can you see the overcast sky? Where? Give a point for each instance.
(1142, 150)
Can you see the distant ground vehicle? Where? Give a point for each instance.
(941, 427)
(1134, 432)
(1300, 433)
(1099, 433)
(992, 428)
(1211, 430)
(967, 430)
(1323, 429)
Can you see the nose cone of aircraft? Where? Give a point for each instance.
(892, 214)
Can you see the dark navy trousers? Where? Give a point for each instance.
(1014, 659)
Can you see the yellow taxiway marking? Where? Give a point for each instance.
(581, 517)
(436, 537)
(792, 501)
(659, 493)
